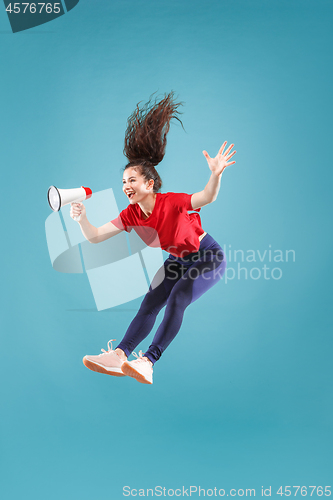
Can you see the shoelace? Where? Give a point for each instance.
(109, 346)
(140, 357)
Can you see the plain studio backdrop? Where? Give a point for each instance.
(242, 398)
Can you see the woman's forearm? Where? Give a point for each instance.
(213, 186)
(89, 231)
(217, 165)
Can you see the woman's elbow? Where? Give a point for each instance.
(94, 240)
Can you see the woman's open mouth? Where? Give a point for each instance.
(130, 195)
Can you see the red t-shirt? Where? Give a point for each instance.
(170, 226)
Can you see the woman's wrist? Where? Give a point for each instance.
(83, 219)
(217, 175)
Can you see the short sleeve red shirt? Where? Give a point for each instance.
(170, 226)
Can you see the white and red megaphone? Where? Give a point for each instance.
(58, 198)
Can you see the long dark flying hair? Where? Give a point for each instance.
(146, 133)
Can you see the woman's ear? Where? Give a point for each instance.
(150, 184)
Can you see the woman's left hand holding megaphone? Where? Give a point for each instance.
(78, 211)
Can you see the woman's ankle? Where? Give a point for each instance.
(121, 354)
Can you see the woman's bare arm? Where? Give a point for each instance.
(91, 233)
(216, 165)
(209, 194)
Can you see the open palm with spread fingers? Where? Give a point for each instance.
(221, 160)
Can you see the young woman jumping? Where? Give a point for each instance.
(196, 261)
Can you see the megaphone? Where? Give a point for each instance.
(58, 198)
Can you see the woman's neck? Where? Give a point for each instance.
(147, 204)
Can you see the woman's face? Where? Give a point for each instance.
(135, 186)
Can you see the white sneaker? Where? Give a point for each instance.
(141, 369)
(108, 362)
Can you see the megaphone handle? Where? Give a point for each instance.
(79, 217)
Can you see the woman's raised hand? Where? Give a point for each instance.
(78, 210)
(221, 160)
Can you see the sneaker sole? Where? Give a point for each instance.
(95, 367)
(128, 370)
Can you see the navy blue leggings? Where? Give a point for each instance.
(185, 280)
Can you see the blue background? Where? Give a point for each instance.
(243, 397)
